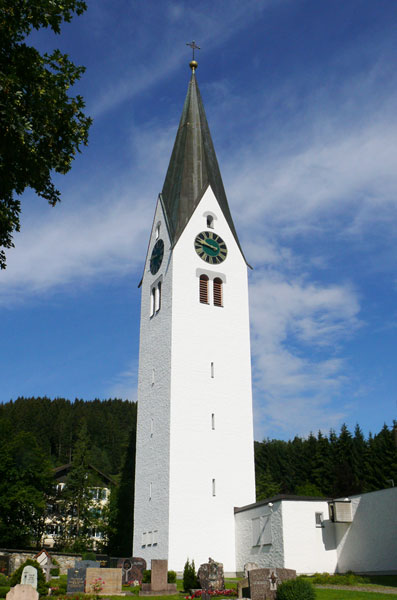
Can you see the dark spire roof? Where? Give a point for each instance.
(193, 167)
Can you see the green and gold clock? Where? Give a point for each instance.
(156, 257)
(210, 247)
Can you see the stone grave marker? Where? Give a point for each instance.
(211, 576)
(76, 581)
(249, 566)
(29, 576)
(85, 564)
(5, 565)
(263, 583)
(111, 580)
(22, 591)
(159, 585)
(132, 569)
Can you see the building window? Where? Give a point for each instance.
(212, 371)
(210, 221)
(217, 292)
(213, 421)
(152, 301)
(319, 517)
(150, 490)
(203, 290)
(157, 234)
(261, 531)
(213, 488)
(158, 297)
(151, 427)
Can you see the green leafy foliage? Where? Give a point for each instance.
(26, 482)
(42, 585)
(146, 576)
(296, 589)
(190, 580)
(42, 127)
(171, 577)
(348, 578)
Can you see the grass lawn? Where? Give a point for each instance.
(327, 594)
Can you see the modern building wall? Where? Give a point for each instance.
(266, 550)
(308, 548)
(369, 543)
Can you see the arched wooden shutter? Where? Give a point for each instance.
(204, 289)
(217, 292)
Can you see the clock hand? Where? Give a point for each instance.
(209, 245)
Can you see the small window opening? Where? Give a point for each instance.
(212, 371)
(213, 421)
(152, 301)
(151, 427)
(213, 488)
(158, 297)
(153, 375)
(218, 292)
(150, 490)
(319, 516)
(203, 291)
(210, 221)
(157, 234)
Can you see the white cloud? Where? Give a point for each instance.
(295, 330)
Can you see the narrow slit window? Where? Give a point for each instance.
(152, 301)
(203, 293)
(212, 371)
(151, 427)
(213, 421)
(150, 490)
(210, 221)
(153, 375)
(157, 232)
(218, 292)
(158, 297)
(213, 488)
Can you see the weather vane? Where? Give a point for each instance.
(193, 46)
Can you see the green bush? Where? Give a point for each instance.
(4, 589)
(296, 589)
(54, 572)
(42, 585)
(190, 581)
(348, 578)
(89, 556)
(146, 576)
(3, 579)
(171, 578)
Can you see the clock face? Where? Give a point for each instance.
(210, 247)
(157, 256)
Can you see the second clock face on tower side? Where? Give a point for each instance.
(210, 247)
(156, 257)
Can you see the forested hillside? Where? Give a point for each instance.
(333, 465)
(55, 425)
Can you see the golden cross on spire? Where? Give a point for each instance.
(193, 64)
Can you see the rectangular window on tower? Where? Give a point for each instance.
(213, 488)
(213, 421)
(212, 371)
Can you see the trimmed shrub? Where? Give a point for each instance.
(89, 556)
(42, 585)
(171, 578)
(146, 576)
(54, 572)
(190, 581)
(295, 589)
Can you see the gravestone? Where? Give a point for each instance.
(110, 578)
(5, 565)
(211, 576)
(159, 585)
(76, 581)
(263, 583)
(249, 566)
(85, 564)
(22, 591)
(132, 569)
(29, 576)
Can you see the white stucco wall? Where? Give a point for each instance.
(264, 555)
(153, 422)
(201, 524)
(307, 548)
(370, 542)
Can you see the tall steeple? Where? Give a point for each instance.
(193, 166)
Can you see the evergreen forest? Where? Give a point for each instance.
(38, 435)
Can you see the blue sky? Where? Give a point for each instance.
(301, 101)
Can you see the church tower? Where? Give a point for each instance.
(195, 455)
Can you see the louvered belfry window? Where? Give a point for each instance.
(217, 292)
(204, 289)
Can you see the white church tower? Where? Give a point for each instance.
(195, 455)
